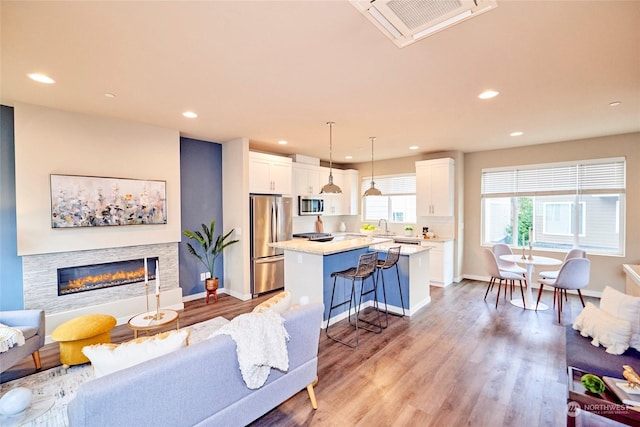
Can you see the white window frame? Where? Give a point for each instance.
(385, 184)
(593, 177)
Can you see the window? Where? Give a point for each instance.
(565, 205)
(397, 203)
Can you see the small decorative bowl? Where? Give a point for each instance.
(15, 401)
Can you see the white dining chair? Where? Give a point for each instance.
(574, 274)
(496, 274)
(552, 274)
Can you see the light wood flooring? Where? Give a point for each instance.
(459, 361)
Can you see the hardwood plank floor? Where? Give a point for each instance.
(459, 361)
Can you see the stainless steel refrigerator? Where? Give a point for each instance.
(270, 222)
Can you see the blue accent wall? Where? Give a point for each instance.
(11, 294)
(201, 200)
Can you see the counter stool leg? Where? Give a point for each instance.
(331, 307)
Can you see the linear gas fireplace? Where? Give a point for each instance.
(72, 280)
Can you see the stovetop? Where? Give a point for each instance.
(315, 237)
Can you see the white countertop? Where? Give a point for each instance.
(342, 244)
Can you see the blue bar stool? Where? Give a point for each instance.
(365, 269)
(393, 256)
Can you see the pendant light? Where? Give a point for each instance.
(373, 191)
(330, 188)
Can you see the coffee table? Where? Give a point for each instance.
(151, 320)
(604, 405)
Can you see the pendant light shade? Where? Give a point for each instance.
(372, 191)
(330, 188)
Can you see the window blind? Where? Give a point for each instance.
(392, 184)
(587, 177)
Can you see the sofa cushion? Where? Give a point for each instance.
(279, 303)
(108, 358)
(606, 330)
(625, 307)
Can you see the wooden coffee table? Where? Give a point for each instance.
(151, 320)
(605, 404)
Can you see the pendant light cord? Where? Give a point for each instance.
(372, 138)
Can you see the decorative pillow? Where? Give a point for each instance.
(613, 333)
(625, 307)
(9, 337)
(279, 303)
(109, 358)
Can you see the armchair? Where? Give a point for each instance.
(31, 323)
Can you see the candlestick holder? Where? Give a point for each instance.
(158, 315)
(146, 298)
(530, 254)
(524, 256)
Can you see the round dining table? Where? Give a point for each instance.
(529, 262)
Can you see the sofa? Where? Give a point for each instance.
(583, 355)
(31, 323)
(201, 384)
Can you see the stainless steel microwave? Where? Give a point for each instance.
(310, 205)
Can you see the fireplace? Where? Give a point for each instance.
(72, 280)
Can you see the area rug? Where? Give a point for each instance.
(62, 383)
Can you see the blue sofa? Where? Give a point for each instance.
(31, 323)
(200, 384)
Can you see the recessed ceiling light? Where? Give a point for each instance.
(41, 78)
(282, 142)
(614, 103)
(109, 95)
(518, 133)
(348, 157)
(413, 147)
(190, 114)
(487, 94)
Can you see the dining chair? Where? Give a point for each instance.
(573, 275)
(503, 249)
(573, 253)
(496, 274)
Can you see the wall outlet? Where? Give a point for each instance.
(202, 277)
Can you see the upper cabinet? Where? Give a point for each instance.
(306, 179)
(435, 187)
(269, 174)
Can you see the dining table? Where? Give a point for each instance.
(529, 261)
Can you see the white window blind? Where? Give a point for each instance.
(392, 184)
(588, 177)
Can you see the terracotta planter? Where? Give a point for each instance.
(211, 287)
(211, 284)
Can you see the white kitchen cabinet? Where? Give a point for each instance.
(306, 179)
(269, 174)
(441, 261)
(351, 192)
(435, 187)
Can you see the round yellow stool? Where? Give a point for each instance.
(76, 333)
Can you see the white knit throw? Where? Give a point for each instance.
(261, 344)
(9, 337)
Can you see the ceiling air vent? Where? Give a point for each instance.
(407, 21)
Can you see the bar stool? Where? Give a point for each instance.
(365, 269)
(393, 255)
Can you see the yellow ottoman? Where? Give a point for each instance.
(76, 333)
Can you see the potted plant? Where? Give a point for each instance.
(408, 230)
(210, 247)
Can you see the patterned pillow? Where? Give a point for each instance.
(109, 358)
(606, 330)
(279, 303)
(625, 307)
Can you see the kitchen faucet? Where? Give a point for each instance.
(386, 230)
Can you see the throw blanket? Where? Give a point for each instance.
(9, 337)
(261, 344)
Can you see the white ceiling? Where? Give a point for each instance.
(272, 70)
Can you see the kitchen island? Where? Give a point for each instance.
(308, 266)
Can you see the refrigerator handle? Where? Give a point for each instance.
(274, 222)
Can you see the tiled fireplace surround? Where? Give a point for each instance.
(40, 284)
